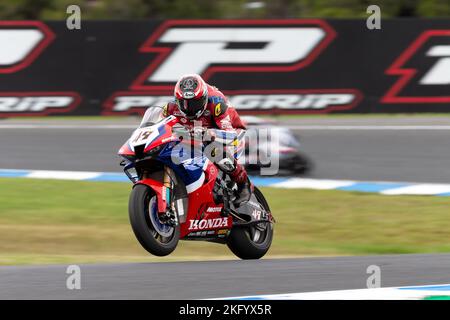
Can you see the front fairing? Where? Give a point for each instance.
(161, 144)
(150, 137)
(186, 161)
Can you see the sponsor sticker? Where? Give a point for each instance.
(208, 224)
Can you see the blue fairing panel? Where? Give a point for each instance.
(190, 169)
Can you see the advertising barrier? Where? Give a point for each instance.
(264, 66)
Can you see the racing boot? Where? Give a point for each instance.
(244, 186)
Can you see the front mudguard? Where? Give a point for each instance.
(160, 191)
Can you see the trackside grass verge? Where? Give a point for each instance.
(48, 221)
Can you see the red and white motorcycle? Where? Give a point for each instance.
(178, 193)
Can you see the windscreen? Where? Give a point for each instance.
(152, 116)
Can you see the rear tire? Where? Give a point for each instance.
(140, 208)
(240, 239)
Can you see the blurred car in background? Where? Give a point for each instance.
(292, 160)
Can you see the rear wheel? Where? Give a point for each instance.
(254, 241)
(158, 238)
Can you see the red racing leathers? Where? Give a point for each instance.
(219, 114)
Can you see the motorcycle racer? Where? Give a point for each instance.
(197, 102)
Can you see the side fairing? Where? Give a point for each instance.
(190, 170)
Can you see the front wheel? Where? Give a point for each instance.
(254, 241)
(158, 238)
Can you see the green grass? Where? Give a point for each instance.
(50, 221)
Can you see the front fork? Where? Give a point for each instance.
(168, 187)
(166, 205)
(170, 212)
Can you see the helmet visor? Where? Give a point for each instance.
(192, 108)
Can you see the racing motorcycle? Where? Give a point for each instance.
(179, 194)
(291, 157)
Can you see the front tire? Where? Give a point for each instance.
(249, 242)
(157, 238)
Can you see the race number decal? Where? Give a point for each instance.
(143, 136)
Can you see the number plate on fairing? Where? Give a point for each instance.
(143, 136)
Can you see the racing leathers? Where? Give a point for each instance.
(219, 114)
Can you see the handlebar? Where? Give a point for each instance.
(201, 134)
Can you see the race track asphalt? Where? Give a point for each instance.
(357, 149)
(345, 152)
(219, 279)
